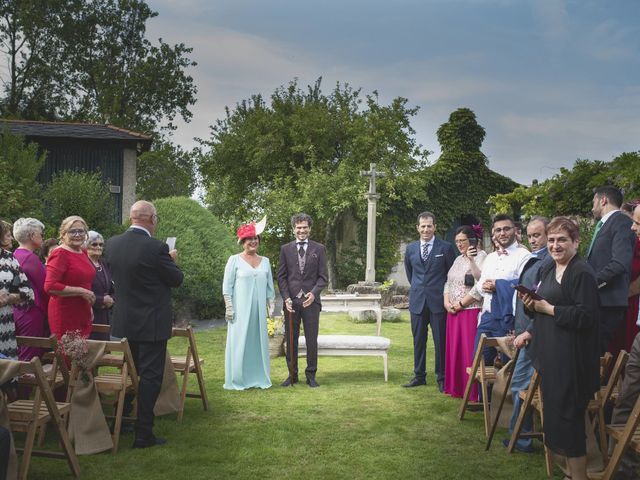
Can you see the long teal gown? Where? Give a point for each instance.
(246, 358)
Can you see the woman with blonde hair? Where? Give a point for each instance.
(70, 274)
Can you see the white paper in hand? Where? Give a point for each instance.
(171, 241)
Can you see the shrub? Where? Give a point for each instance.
(204, 244)
(80, 193)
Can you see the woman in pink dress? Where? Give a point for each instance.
(30, 319)
(462, 321)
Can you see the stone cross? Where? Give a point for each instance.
(372, 197)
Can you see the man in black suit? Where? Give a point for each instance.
(144, 271)
(610, 254)
(427, 262)
(302, 275)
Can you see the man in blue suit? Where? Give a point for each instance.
(427, 262)
(610, 254)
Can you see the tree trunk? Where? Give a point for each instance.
(331, 245)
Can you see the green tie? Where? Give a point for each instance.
(595, 233)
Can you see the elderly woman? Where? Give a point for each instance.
(463, 309)
(246, 287)
(564, 348)
(14, 289)
(70, 275)
(30, 319)
(102, 285)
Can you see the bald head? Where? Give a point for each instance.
(143, 214)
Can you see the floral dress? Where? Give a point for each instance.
(12, 280)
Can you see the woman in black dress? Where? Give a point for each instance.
(102, 285)
(564, 348)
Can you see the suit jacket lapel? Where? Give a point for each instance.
(434, 249)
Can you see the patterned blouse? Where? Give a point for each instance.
(455, 287)
(12, 278)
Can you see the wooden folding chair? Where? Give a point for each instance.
(30, 415)
(482, 374)
(114, 384)
(53, 363)
(190, 363)
(626, 436)
(597, 405)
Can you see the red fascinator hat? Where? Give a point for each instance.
(252, 229)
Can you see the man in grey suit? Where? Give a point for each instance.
(302, 275)
(610, 254)
(427, 262)
(144, 272)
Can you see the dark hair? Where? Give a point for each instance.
(501, 217)
(630, 206)
(467, 230)
(567, 224)
(247, 238)
(4, 227)
(539, 218)
(613, 194)
(46, 247)
(300, 218)
(426, 215)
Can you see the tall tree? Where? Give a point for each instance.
(165, 171)
(19, 167)
(91, 61)
(303, 151)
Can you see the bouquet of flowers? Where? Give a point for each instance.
(74, 345)
(275, 326)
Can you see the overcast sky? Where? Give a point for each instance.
(549, 80)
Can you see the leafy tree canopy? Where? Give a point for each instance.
(303, 151)
(165, 171)
(91, 61)
(19, 167)
(570, 192)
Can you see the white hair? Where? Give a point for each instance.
(92, 236)
(23, 228)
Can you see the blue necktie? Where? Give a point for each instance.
(425, 252)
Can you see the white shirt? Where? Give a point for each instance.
(606, 217)
(505, 267)
(304, 245)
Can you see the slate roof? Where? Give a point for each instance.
(88, 131)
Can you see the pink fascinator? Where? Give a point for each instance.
(477, 229)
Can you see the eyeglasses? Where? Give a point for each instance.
(462, 241)
(502, 229)
(97, 244)
(77, 232)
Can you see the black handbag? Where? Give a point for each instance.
(469, 280)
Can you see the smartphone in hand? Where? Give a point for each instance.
(525, 290)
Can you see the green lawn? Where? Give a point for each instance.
(354, 426)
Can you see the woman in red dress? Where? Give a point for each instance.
(70, 274)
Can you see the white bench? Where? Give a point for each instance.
(350, 345)
(351, 302)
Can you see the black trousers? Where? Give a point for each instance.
(310, 318)
(5, 445)
(610, 320)
(149, 358)
(419, 323)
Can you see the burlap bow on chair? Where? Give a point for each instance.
(88, 428)
(8, 370)
(505, 344)
(169, 397)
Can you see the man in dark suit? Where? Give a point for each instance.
(610, 254)
(302, 274)
(427, 262)
(144, 272)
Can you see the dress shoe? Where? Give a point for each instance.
(148, 442)
(416, 382)
(529, 449)
(289, 381)
(312, 382)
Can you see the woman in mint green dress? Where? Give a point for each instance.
(247, 288)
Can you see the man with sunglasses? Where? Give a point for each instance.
(144, 272)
